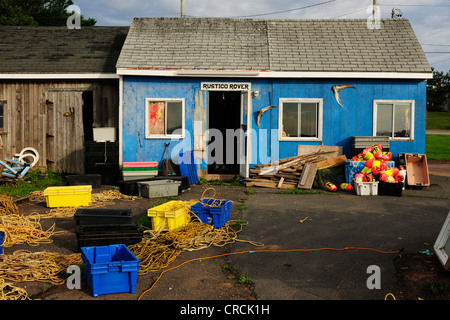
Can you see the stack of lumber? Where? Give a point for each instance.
(295, 172)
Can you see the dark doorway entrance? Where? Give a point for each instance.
(224, 113)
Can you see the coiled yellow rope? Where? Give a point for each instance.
(21, 229)
(10, 292)
(23, 265)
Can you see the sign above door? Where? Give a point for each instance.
(226, 86)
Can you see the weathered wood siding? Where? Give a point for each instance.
(32, 119)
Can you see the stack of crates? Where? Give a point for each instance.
(139, 170)
(213, 211)
(68, 196)
(100, 227)
(171, 216)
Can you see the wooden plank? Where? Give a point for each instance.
(280, 183)
(332, 162)
(308, 174)
(269, 185)
(333, 151)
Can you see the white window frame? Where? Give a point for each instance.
(393, 102)
(319, 119)
(165, 136)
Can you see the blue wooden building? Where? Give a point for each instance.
(241, 92)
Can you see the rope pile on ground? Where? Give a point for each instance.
(23, 265)
(159, 251)
(21, 229)
(10, 292)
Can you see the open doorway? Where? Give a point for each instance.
(224, 113)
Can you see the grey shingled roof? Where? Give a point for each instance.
(273, 45)
(60, 50)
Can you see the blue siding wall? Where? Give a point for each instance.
(339, 123)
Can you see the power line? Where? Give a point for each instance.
(349, 13)
(438, 45)
(282, 11)
(414, 5)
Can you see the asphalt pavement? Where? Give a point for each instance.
(303, 237)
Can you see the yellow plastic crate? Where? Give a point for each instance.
(70, 196)
(171, 215)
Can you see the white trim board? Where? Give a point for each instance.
(57, 76)
(272, 74)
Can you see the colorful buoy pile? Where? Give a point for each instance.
(375, 166)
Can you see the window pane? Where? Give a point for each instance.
(174, 116)
(402, 120)
(384, 120)
(156, 117)
(308, 119)
(290, 120)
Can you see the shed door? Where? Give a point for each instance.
(65, 135)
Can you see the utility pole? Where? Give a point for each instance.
(182, 15)
(375, 9)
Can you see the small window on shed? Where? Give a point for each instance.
(300, 119)
(394, 118)
(164, 118)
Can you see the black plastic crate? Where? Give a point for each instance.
(130, 187)
(88, 236)
(110, 172)
(103, 235)
(102, 216)
(390, 189)
(95, 180)
(109, 230)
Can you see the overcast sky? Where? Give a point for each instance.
(430, 19)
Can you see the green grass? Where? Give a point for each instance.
(34, 180)
(437, 146)
(438, 120)
(303, 191)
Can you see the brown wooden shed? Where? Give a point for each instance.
(56, 85)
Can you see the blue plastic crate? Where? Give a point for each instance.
(187, 166)
(213, 212)
(354, 167)
(2, 239)
(110, 269)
